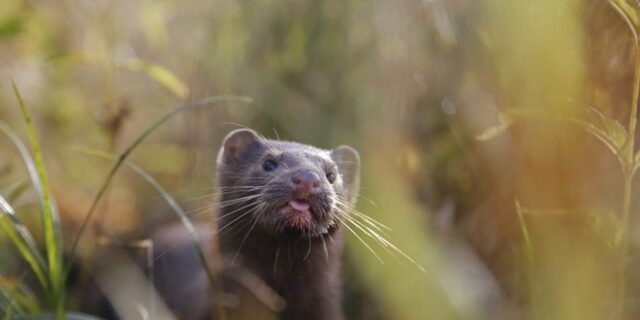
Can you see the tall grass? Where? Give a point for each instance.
(52, 271)
(214, 285)
(618, 139)
(49, 274)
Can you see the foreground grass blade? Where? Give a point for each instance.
(10, 305)
(528, 246)
(123, 156)
(50, 218)
(23, 295)
(159, 74)
(627, 14)
(16, 191)
(182, 215)
(22, 239)
(592, 121)
(26, 157)
(35, 260)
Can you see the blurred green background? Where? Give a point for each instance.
(480, 125)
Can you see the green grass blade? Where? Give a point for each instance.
(159, 74)
(35, 179)
(50, 218)
(123, 156)
(16, 191)
(493, 132)
(182, 215)
(7, 305)
(26, 157)
(23, 295)
(592, 121)
(624, 14)
(528, 246)
(10, 304)
(22, 239)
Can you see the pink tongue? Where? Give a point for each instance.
(299, 205)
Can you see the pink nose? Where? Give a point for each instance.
(306, 182)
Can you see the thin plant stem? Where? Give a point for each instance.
(125, 154)
(630, 146)
(629, 169)
(50, 217)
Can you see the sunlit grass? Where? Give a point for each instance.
(620, 140)
(52, 275)
(544, 201)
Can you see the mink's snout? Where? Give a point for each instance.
(305, 183)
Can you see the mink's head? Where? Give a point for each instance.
(285, 188)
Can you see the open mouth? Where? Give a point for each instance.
(299, 214)
(299, 205)
(300, 220)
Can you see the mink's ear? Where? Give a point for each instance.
(236, 144)
(348, 162)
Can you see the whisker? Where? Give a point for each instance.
(276, 133)
(242, 186)
(368, 200)
(371, 223)
(275, 260)
(224, 204)
(200, 197)
(331, 240)
(242, 178)
(326, 251)
(384, 242)
(237, 191)
(361, 240)
(237, 218)
(289, 252)
(225, 191)
(239, 187)
(177, 193)
(171, 247)
(372, 234)
(375, 223)
(239, 227)
(309, 248)
(245, 237)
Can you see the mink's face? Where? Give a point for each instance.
(285, 188)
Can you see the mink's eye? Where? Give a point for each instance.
(269, 165)
(331, 177)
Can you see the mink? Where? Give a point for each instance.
(280, 210)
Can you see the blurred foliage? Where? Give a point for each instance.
(496, 136)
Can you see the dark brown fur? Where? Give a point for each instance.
(258, 236)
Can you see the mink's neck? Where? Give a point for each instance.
(304, 271)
